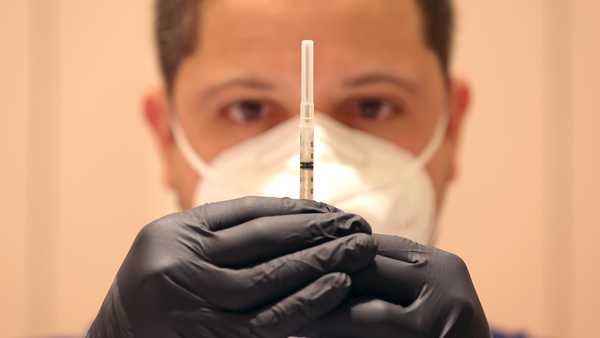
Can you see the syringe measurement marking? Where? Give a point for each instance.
(307, 163)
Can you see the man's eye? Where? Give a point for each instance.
(246, 111)
(374, 109)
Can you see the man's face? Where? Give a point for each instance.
(373, 72)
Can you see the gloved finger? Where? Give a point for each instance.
(367, 317)
(392, 280)
(225, 214)
(399, 248)
(281, 319)
(246, 289)
(266, 238)
(398, 273)
(304, 307)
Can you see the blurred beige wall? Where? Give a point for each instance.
(80, 175)
(14, 91)
(585, 164)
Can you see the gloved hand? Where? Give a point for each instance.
(252, 267)
(412, 291)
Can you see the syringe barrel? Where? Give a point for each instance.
(307, 136)
(307, 144)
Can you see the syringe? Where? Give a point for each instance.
(307, 113)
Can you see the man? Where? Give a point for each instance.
(389, 128)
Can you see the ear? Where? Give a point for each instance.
(157, 116)
(459, 102)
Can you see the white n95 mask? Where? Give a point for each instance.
(354, 171)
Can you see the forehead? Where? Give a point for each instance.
(360, 18)
(376, 31)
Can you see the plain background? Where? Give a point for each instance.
(80, 175)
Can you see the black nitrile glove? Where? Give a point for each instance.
(251, 267)
(412, 291)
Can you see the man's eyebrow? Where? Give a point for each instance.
(381, 77)
(242, 82)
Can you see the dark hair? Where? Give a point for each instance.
(177, 24)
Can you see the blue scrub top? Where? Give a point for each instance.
(498, 334)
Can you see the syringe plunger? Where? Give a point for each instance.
(307, 93)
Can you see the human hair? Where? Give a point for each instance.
(176, 26)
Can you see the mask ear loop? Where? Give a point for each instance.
(426, 155)
(198, 164)
(434, 144)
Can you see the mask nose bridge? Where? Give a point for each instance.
(339, 141)
(280, 143)
(331, 139)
